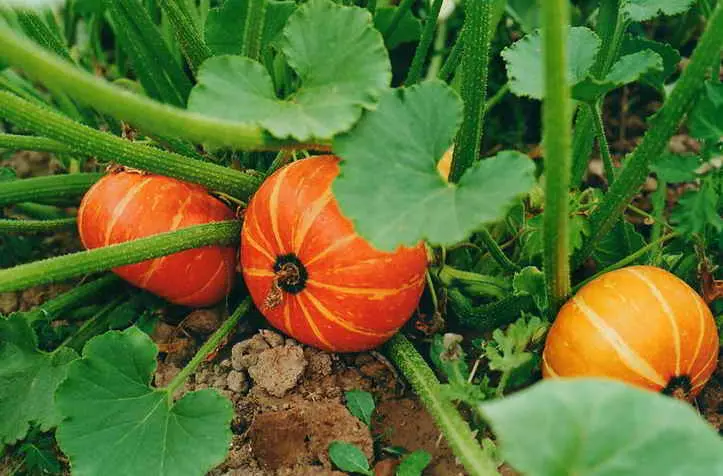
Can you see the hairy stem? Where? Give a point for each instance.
(556, 137)
(662, 126)
(476, 33)
(187, 33)
(450, 422)
(420, 54)
(253, 32)
(496, 252)
(51, 187)
(75, 297)
(602, 142)
(208, 347)
(36, 226)
(145, 114)
(114, 149)
(41, 144)
(101, 259)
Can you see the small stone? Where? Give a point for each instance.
(219, 382)
(278, 370)
(225, 364)
(246, 353)
(8, 303)
(237, 382)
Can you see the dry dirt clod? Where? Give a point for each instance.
(202, 321)
(278, 370)
(237, 382)
(319, 362)
(165, 373)
(246, 353)
(272, 338)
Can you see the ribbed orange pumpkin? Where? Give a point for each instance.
(639, 324)
(312, 276)
(125, 206)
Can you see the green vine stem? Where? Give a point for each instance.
(75, 297)
(40, 144)
(556, 138)
(602, 142)
(188, 35)
(51, 187)
(101, 259)
(145, 114)
(658, 199)
(420, 54)
(631, 258)
(496, 252)
(488, 317)
(254, 29)
(662, 126)
(452, 62)
(39, 211)
(209, 346)
(114, 149)
(479, 284)
(611, 26)
(476, 36)
(455, 429)
(402, 9)
(36, 226)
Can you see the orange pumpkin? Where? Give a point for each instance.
(127, 205)
(639, 324)
(312, 276)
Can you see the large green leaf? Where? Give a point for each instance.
(671, 58)
(602, 428)
(28, 379)
(642, 10)
(336, 83)
(627, 69)
(525, 64)
(117, 424)
(706, 118)
(389, 185)
(408, 30)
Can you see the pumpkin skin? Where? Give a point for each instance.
(125, 206)
(347, 296)
(639, 324)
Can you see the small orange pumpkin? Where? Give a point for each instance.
(639, 324)
(312, 276)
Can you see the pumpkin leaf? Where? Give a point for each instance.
(408, 30)
(670, 56)
(697, 209)
(706, 118)
(117, 424)
(611, 248)
(525, 55)
(28, 379)
(602, 428)
(530, 281)
(642, 10)
(389, 185)
(336, 84)
(626, 70)
(674, 168)
(361, 405)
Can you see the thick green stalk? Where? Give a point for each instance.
(556, 140)
(610, 28)
(75, 297)
(41, 144)
(476, 33)
(602, 143)
(114, 149)
(51, 187)
(707, 9)
(187, 33)
(455, 429)
(420, 54)
(208, 347)
(101, 259)
(662, 126)
(35, 226)
(254, 29)
(38, 30)
(145, 114)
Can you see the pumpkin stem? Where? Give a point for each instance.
(290, 276)
(678, 387)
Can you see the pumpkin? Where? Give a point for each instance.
(125, 206)
(639, 324)
(312, 276)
